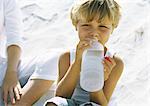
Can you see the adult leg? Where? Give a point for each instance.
(1, 98)
(33, 90)
(43, 72)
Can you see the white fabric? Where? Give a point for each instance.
(47, 66)
(59, 101)
(10, 25)
(37, 67)
(3, 66)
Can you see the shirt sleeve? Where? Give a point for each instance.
(13, 23)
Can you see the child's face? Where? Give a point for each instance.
(95, 30)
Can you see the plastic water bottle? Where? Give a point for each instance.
(92, 70)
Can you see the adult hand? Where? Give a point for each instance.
(11, 87)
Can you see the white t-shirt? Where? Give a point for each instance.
(10, 25)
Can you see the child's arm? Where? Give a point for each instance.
(99, 98)
(102, 97)
(68, 76)
(114, 76)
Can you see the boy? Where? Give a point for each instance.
(93, 19)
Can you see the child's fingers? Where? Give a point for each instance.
(107, 58)
(106, 74)
(106, 77)
(111, 60)
(107, 64)
(106, 68)
(83, 44)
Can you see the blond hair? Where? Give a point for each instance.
(89, 9)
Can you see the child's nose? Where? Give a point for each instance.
(95, 35)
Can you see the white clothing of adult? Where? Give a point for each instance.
(10, 25)
(38, 67)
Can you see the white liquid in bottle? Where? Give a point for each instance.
(92, 70)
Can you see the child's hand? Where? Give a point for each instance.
(109, 63)
(82, 45)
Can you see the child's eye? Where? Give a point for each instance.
(101, 26)
(85, 25)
